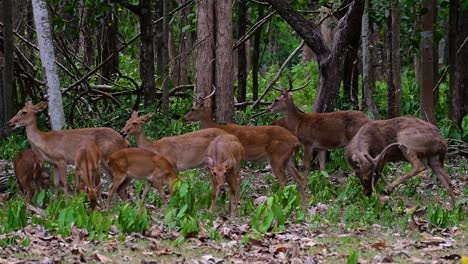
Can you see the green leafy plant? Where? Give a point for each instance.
(132, 218)
(14, 218)
(441, 217)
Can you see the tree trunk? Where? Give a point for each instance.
(146, 51)
(435, 55)
(205, 51)
(165, 56)
(86, 42)
(350, 66)
(256, 57)
(8, 93)
(241, 53)
(368, 73)
(458, 66)
(108, 45)
(396, 61)
(330, 61)
(46, 50)
(427, 63)
(224, 61)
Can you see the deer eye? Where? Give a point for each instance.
(23, 113)
(135, 123)
(214, 173)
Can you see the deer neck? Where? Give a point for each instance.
(293, 115)
(142, 140)
(35, 136)
(207, 120)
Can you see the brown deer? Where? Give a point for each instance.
(87, 169)
(320, 131)
(397, 139)
(272, 143)
(223, 160)
(30, 174)
(183, 152)
(59, 146)
(141, 164)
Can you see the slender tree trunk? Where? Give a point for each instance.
(435, 53)
(146, 51)
(224, 61)
(205, 50)
(256, 57)
(368, 73)
(396, 55)
(427, 63)
(46, 50)
(108, 45)
(241, 53)
(8, 93)
(86, 42)
(350, 64)
(165, 55)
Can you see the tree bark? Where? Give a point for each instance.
(205, 50)
(396, 55)
(427, 63)
(241, 53)
(256, 57)
(165, 58)
(108, 45)
(146, 51)
(46, 50)
(86, 42)
(368, 73)
(8, 93)
(224, 61)
(330, 62)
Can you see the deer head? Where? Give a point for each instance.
(134, 125)
(93, 194)
(281, 103)
(27, 114)
(218, 173)
(199, 111)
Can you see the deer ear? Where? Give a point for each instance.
(146, 118)
(99, 187)
(40, 106)
(209, 162)
(355, 160)
(134, 114)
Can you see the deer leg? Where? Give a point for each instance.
(117, 181)
(122, 190)
(418, 167)
(308, 150)
(437, 168)
(146, 190)
(214, 197)
(234, 186)
(62, 177)
(322, 156)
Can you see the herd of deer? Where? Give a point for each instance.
(369, 145)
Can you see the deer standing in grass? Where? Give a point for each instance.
(183, 152)
(30, 174)
(59, 146)
(320, 131)
(223, 160)
(140, 163)
(398, 139)
(87, 169)
(271, 143)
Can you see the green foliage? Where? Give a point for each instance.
(133, 218)
(441, 217)
(14, 217)
(274, 212)
(353, 258)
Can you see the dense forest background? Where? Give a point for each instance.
(387, 58)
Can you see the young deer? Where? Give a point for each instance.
(59, 146)
(87, 169)
(30, 174)
(322, 131)
(183, 152)
(272, 143)
(223, 160)
(418, 141)
(141, 164)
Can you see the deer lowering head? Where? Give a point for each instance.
(27, 115)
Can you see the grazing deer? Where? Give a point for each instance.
(59, 146)
(29, 172)
(272, 143)
(141, 164)
(183, 152)
(223, 160)
(321, 131)
(87, 169)
(397, 139)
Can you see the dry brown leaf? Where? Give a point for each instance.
(378, 245)
(102, 258)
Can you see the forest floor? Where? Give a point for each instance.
(322, 237)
